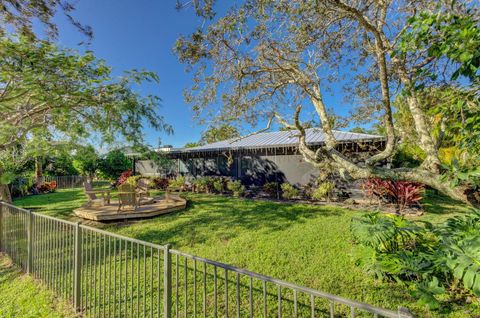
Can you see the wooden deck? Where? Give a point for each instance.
(109, 212)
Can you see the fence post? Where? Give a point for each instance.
(30, 243)
(1, 225)
(167, 281)
(77, 293)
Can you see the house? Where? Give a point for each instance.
(260, 158)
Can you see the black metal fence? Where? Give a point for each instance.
(108, 275)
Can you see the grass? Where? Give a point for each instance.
(304, 244)
(438, 208)
(21, 296)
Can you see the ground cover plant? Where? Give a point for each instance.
(436, 262)
(304, 244)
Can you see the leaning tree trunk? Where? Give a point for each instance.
(339, 162)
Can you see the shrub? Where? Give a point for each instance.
(271, 189)
(47, 187)
(431, 260)
(323, 191)
(123, 177)
(161, 183)
(113, 164)
(401, 193)
(237, 188)
(374, 188)
(203, 184)
(219, 185)
(21, 185)
(178, 182)
(289, 191)
(133, 180)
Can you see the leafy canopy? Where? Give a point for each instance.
(86, 161)
(57, 93)
(20, 14)
(214, 134)
(114, 163)
(222, 132)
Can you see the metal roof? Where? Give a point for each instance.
(289, 138)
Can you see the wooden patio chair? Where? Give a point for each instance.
(91, 194)
(169, 191)
(142, 188)
(128, 196)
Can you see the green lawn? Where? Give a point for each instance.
(21, 296)
(305, 244)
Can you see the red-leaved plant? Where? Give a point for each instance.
(402, 193)
(47, 187)
(161, 183)
(123, 177)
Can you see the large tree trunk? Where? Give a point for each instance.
(421, 175)
(38, 170)
(5, 194)
(426, 141)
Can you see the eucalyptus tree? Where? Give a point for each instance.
(51, 94)
(272, 59)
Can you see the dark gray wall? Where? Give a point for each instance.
(250, 169)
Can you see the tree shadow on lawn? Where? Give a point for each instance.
(58, 204)
(8, 272)
(439, 207)
(225, 218)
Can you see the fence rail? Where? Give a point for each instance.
(108, 275)
(64, 182)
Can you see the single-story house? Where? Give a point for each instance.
(259, 158)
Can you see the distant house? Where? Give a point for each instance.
(260, 158)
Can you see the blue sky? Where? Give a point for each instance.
(141, 34)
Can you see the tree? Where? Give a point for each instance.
(456, 108)
(192, 144)
(47, 92)
(214, 134)
(359, 130)
(60, 163)
(86, 161)
(222, 132)
(449, 110)
(19, 15)
(114, 163)
(276, 59)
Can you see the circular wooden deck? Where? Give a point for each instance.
(110, 212)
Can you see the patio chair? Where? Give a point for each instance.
(170, 191)
(128, 196)
(142, 188)
(91, 194)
